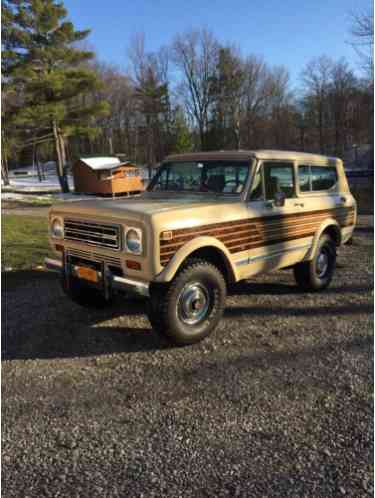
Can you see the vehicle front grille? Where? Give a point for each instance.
(96, 234)
(92, 256)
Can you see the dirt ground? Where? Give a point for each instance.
(278, 402)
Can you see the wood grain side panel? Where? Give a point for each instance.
(250, 233)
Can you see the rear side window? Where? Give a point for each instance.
(316, 178)
(323, 178)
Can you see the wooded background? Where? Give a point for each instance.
(60, 102)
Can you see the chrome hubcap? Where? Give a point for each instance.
(193, 303)
(322, 264)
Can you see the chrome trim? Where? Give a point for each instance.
(253, 259)
(94, 256)
(141, 288)
(53, 264)
(107, 235)
(51, 220)
(193, 303)
(140, 233)
(110, 280)
(242, 262)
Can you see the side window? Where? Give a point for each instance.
(304, 178)
(278, 177)
(226, 178)
(322, 177)
(256, 192)
(162, 181)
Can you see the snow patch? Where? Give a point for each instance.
(32, 184)
(98, 163)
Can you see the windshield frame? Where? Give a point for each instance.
(241, 195)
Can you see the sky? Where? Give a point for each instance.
(283, 32)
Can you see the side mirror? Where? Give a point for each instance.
(279, 199)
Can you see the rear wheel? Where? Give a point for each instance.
(187, 309)
(317, 274)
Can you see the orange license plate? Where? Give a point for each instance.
(87, 274)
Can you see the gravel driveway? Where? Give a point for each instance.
(278, 402)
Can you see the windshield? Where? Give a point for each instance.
(224, 177)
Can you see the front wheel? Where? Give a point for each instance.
(190, 307)
(317, 274)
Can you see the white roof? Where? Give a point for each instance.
(98, 163)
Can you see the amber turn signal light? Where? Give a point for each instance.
(167, 235)
(59, 248)
(133, 265)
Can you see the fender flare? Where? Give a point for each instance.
(204, 242)
(329, 223)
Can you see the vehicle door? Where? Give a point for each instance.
(278, 234)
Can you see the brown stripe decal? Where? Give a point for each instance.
(250, 233)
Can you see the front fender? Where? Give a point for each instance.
(198, 243)
(329, 223)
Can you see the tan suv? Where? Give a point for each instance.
(207, 220)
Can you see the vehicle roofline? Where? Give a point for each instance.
(239, 155)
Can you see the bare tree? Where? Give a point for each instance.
(341, 95)
(258, 90)
(363, 34)
(282, 109)
(196, 54)
(316, 77)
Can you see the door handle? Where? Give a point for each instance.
(341, 201)
(299, 204)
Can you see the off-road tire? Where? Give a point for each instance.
(84, 295)
(307, 274)
(166, 302)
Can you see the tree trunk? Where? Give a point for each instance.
(4, 170)
(4, 160)
(337, 138)
(64, 161)
(36, 163)
(302, 139)
(237, 133)
(60, 169)
(202, 137)
(321, 133)
(39, 166)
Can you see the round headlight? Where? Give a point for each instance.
(133, 241)
(57, 228)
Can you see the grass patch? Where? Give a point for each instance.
(37, 201)
(24, 242)
(32, 201)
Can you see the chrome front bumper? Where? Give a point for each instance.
(115, 282)
(53, 264)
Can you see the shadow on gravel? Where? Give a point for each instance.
(255, 360)
(364, 229)
(349, 309)
(41, 322)
(248, 287)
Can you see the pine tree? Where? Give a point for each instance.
(42, 61)
(152, 96)
(183, 141)
(226, 93)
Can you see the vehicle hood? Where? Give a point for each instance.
(142, 207)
